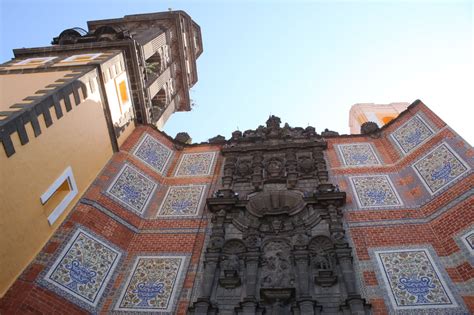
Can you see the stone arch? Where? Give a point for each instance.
(320, 243)
(159, 102)
(234, 246)
(320, 248)
(154, 64)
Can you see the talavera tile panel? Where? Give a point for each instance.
(358, 154)
(153, 284)
(468, 240)
(439, 168)
(412, 133)
(182, 200)
(413, 281)
(84, 267)
(375, 191)
(153, 153)
(132, 189)
(195, 164)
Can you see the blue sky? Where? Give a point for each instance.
(305, 61)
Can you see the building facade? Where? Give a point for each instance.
(274, 220)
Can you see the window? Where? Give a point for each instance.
(59, 195)
(81, 58)
(34, 61)
(123, 92)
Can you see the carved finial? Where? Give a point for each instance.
(183, 137)
(273, 122)
(368, 127)
(329, 133)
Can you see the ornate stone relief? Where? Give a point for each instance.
(277, 244)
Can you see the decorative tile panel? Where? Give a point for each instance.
(84, 267)
(375, 191)
(439, 168)
(153, 284)
(412, 133)
(182, 200)
(358, 154)
(153, 153)
(196, 164)
(468, 240)
(132, 189)
(412, 280)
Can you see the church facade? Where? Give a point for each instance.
(274, 220)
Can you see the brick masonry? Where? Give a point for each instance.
(399, 209)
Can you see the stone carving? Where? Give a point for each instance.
(274, 203)
(329, 133)
(305, 165)
(230, 264)
(276, 265)
(275, 197)
(369, 127)
(217, 140)
(274, 167)
(244, 168)
(183, 137)
(321, 248)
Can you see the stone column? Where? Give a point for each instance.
(203, 304)
(251, 271)
(301, 261)
(354, 300)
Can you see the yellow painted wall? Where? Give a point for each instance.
(79, 140)
(13, 88)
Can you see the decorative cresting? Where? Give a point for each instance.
(277, 244)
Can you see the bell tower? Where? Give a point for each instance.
(160, 51)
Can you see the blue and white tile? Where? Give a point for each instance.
(468, 240)
(412, 133)
(195, 164)
(413, 282)
(153, 285)
(83, 269)
(358, 154)
(182, 201)
(375, 191)
(132, 189)
(439, 168)
(153, 153)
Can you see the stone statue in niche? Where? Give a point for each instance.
(230, 266)
(276, 266)
(230, 262)
(321, 261)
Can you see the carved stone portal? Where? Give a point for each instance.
(277, 243)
